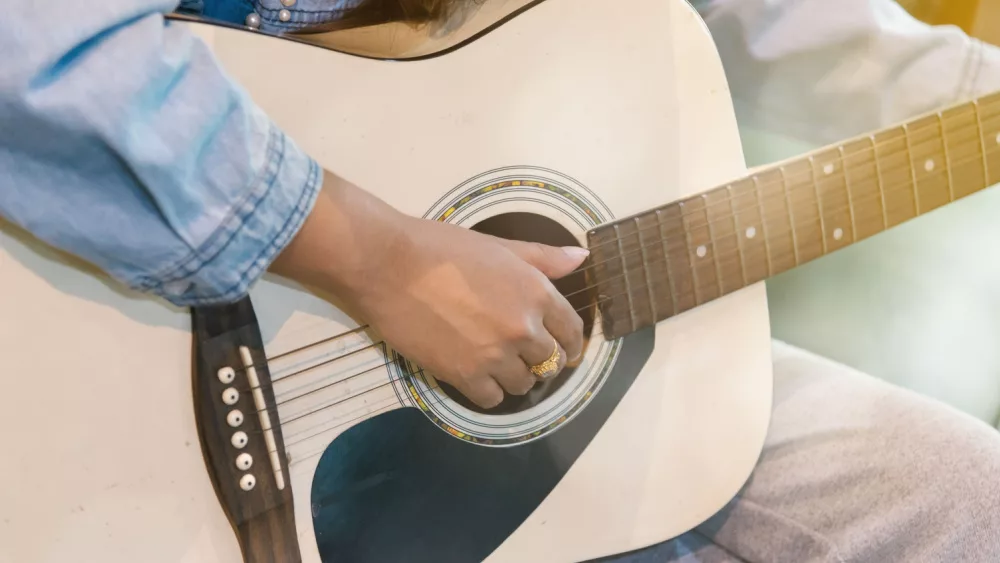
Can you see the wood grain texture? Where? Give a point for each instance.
(262, 517)
(695, 250)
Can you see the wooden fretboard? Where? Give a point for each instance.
(665, 261)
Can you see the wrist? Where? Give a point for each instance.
(346, 243)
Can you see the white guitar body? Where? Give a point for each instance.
(625, 103)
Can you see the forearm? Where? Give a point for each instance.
(122, 141)
(349, 236)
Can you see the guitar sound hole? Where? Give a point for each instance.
(534, 228)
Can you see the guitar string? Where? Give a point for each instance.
(344, 399)
(884, 190)
(386, 363)
(732, 214)
(271, 386)
(842, 156)
(695, 293)
(737, 251)
(758, 204)
(295, 439)
(344, 334)
(354, 375)
(431, 400)
(633, 249)
(727, 258)
(294, 460)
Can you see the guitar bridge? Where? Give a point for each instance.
(240, 433)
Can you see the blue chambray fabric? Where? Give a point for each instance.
(302, 13)
(122, 141)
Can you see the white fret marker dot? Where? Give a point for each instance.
(828, 169)
(998, 138)
(751, 232)
(838, 233)
(701, 251)
(929, 165)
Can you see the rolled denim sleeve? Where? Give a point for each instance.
(122, 141)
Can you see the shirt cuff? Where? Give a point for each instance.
(251, 237)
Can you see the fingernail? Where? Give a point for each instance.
(576, 252)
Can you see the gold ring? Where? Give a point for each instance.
(550, 365)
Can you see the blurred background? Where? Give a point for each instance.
(978, 18)
(918, 305)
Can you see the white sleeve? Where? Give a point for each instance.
(820, 71)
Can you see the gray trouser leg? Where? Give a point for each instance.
(855, 470)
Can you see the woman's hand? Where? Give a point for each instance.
(474, 310)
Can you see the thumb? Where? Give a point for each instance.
(553, 261)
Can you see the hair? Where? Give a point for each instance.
(413, 12)
(409, 11)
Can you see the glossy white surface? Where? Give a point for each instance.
(643, 117)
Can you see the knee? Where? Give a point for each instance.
(946, 484)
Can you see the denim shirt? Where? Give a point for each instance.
(122, 141)
(297, 13)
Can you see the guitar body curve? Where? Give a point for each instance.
(625, 108)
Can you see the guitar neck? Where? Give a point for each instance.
(662, 262)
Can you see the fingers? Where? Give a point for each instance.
(513, 375)
(557, 339)
(565, 325)
(541, 350)
(483, 390)
(554, 262)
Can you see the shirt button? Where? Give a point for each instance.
(253, 20)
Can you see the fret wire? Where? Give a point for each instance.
(847, 189)
(736, 253)
(947, 160)
(715, 245)
(645, 269)
(763, 225)
(845, 208)
(982, 143)
(812, 171)
(687, 244)
(913, 171)
(731, 254)
(837, 209)
(904, 126)
(883, 190)
(878, 179)
(628, 285)
(736, 229)
(819, 203)
(666, 263)
(786, 191)
(909, 165)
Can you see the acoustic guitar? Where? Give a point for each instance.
(279, 429)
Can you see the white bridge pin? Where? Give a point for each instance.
(239, 440)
